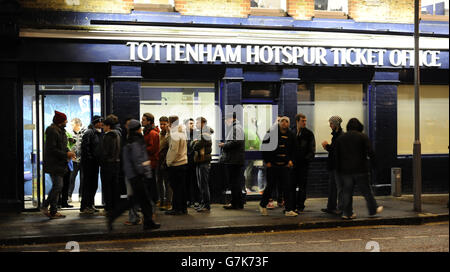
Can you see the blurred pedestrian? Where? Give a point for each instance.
(351, 152)
(137, 170)
(56, 157)
(335, 202)
(78, 132)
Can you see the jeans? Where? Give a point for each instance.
(90, 184)
(235, 181)
(335, 201)
(203, 183)
(177, 177)
(133, 215)
(53, 195)
(362, 182)
(110, 184)
(279, 175)
(141, 197)
(301, 180)
(162, 182)
(73, 175)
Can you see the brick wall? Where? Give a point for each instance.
(300, 10)
(220, 8)
(392, 11)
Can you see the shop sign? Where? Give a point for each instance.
(278, 55)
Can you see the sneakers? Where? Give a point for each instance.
(128, 223)
(87, 211)
(263, 210)
(345, 217)
(152, 226)
(378, 210)
(57, 216)
(290, 214)
(270, 206)
(231, 207)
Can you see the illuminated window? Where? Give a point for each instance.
(321, 101)
(434, 7)
(434, 110)
(331, 5)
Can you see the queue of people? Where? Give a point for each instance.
(168, 166)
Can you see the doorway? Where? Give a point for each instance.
(40, 100)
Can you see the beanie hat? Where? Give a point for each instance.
(335, 120)
(285, 118)
(59, 117)
(96, 119)
(134, 125)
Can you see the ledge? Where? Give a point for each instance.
(439, 18)
(330, 14)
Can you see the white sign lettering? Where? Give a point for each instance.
(290, 55)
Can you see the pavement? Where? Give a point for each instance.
(35, 228)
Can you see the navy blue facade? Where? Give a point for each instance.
(105, 63)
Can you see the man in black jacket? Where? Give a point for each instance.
(352, 150)
(304, 154)
(279, 162)
(334, 205)
(56, 157)
(91, 147)
(233, 157)
(110, 163)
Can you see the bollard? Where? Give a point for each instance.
(396, 181)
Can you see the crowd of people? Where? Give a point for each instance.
(167, 167)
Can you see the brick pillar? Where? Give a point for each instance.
(287, 103)
(11, 182)
(383, 120)
(124, 98)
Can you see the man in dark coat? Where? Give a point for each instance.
(56, 157)
(351, 152)
(91, 152)
(334, 205)
(305, 150)
(233, 157)
(279, 161)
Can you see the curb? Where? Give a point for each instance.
(102, 236)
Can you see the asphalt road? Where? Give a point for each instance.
(433, 237)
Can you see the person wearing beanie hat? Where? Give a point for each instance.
(56, 158)
(59, 118)
(335, 190)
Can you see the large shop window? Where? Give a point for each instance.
(434, 111)
(186, 100)
(321, 101)
(434, 7)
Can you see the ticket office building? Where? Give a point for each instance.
(127, 75)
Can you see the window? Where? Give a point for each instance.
(331, 5)
(434, 110)
(154, 5)
(186, 100)
(434, 7)
(268, 7)
(321, 101)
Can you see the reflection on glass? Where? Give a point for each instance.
(257, 121)
(186, 100)
(435, 7)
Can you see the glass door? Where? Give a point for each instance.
(40, 101)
